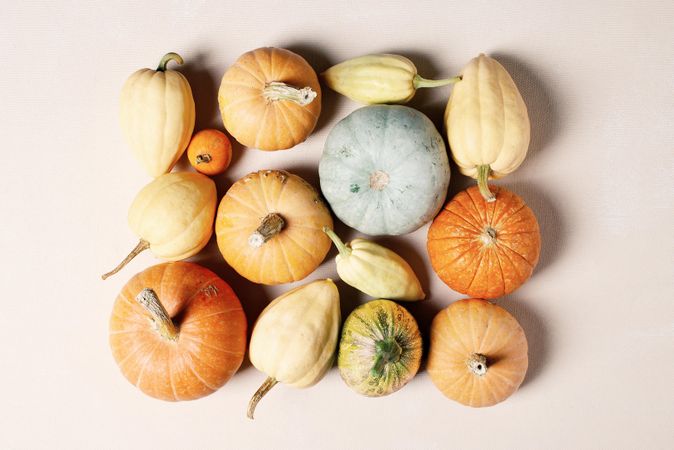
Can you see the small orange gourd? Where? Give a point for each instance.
(269, 227)
(210, 152)
(177, 331)
(270, 99)
(484, 249)
(478, 353)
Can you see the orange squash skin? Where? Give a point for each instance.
(483, 249)
(211, 324)
(292, 253)
(210, 152)
(257, 122)
(476, 326)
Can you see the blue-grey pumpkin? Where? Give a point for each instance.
(385, 170)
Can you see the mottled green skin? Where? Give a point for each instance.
(379, 321)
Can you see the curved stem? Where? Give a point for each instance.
(142, 245)
(343, 248)
(148, 299)
(203, 158)
(421, 82)
(261, 392)
(386, 351)
(166, 59)
(271, 225)
(477, 363)
(277, 90)
(482, 177)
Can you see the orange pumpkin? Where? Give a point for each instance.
(478, 353)
(484, 249)
(270, 227)
(210, 152)
(177, 331)
(270, 99)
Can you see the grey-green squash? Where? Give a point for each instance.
(385, 170)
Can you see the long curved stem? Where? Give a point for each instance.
(482, 177)
(344, 249)
(421, 82)
(142, 245)
(148, 299)
(166, 59)
(269, 383)
(277, 90)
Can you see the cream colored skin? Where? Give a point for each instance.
(376, 270)
(157, 116)
(295, 338)
(381, 78)
(487, 121)
(174, 214)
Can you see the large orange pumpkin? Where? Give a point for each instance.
(478, 353)
(270, 227)
(484, 249)
(177, 331)
(270, 99)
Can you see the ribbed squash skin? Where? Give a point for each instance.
(474, 326)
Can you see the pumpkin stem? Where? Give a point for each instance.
(276, 90)
(488, 236)
(203, 158)
(142, 245)
(271, 225)
(482, 177)
(148, 299)
(261, 392)
(421, 82)
(379, 180)
(166, 59)
(386, 351)
(477, 363)
(344, 249)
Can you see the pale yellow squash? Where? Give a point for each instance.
(172, 216)
(157, 115)
(375, 270)
(379, 78)
(487, 122)
(295, 338)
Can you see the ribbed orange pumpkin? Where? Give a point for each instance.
(484, 249)
(177, 331)
(270, 99)
(478, 353)
(270, 227)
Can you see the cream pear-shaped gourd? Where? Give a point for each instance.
(379, 78)
(173, 216)
(157, 115)
(295, 338)
(375, 270)
(487, 123)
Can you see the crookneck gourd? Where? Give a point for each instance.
(172, 216)
(295, 338)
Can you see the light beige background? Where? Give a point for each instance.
(598, 78)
